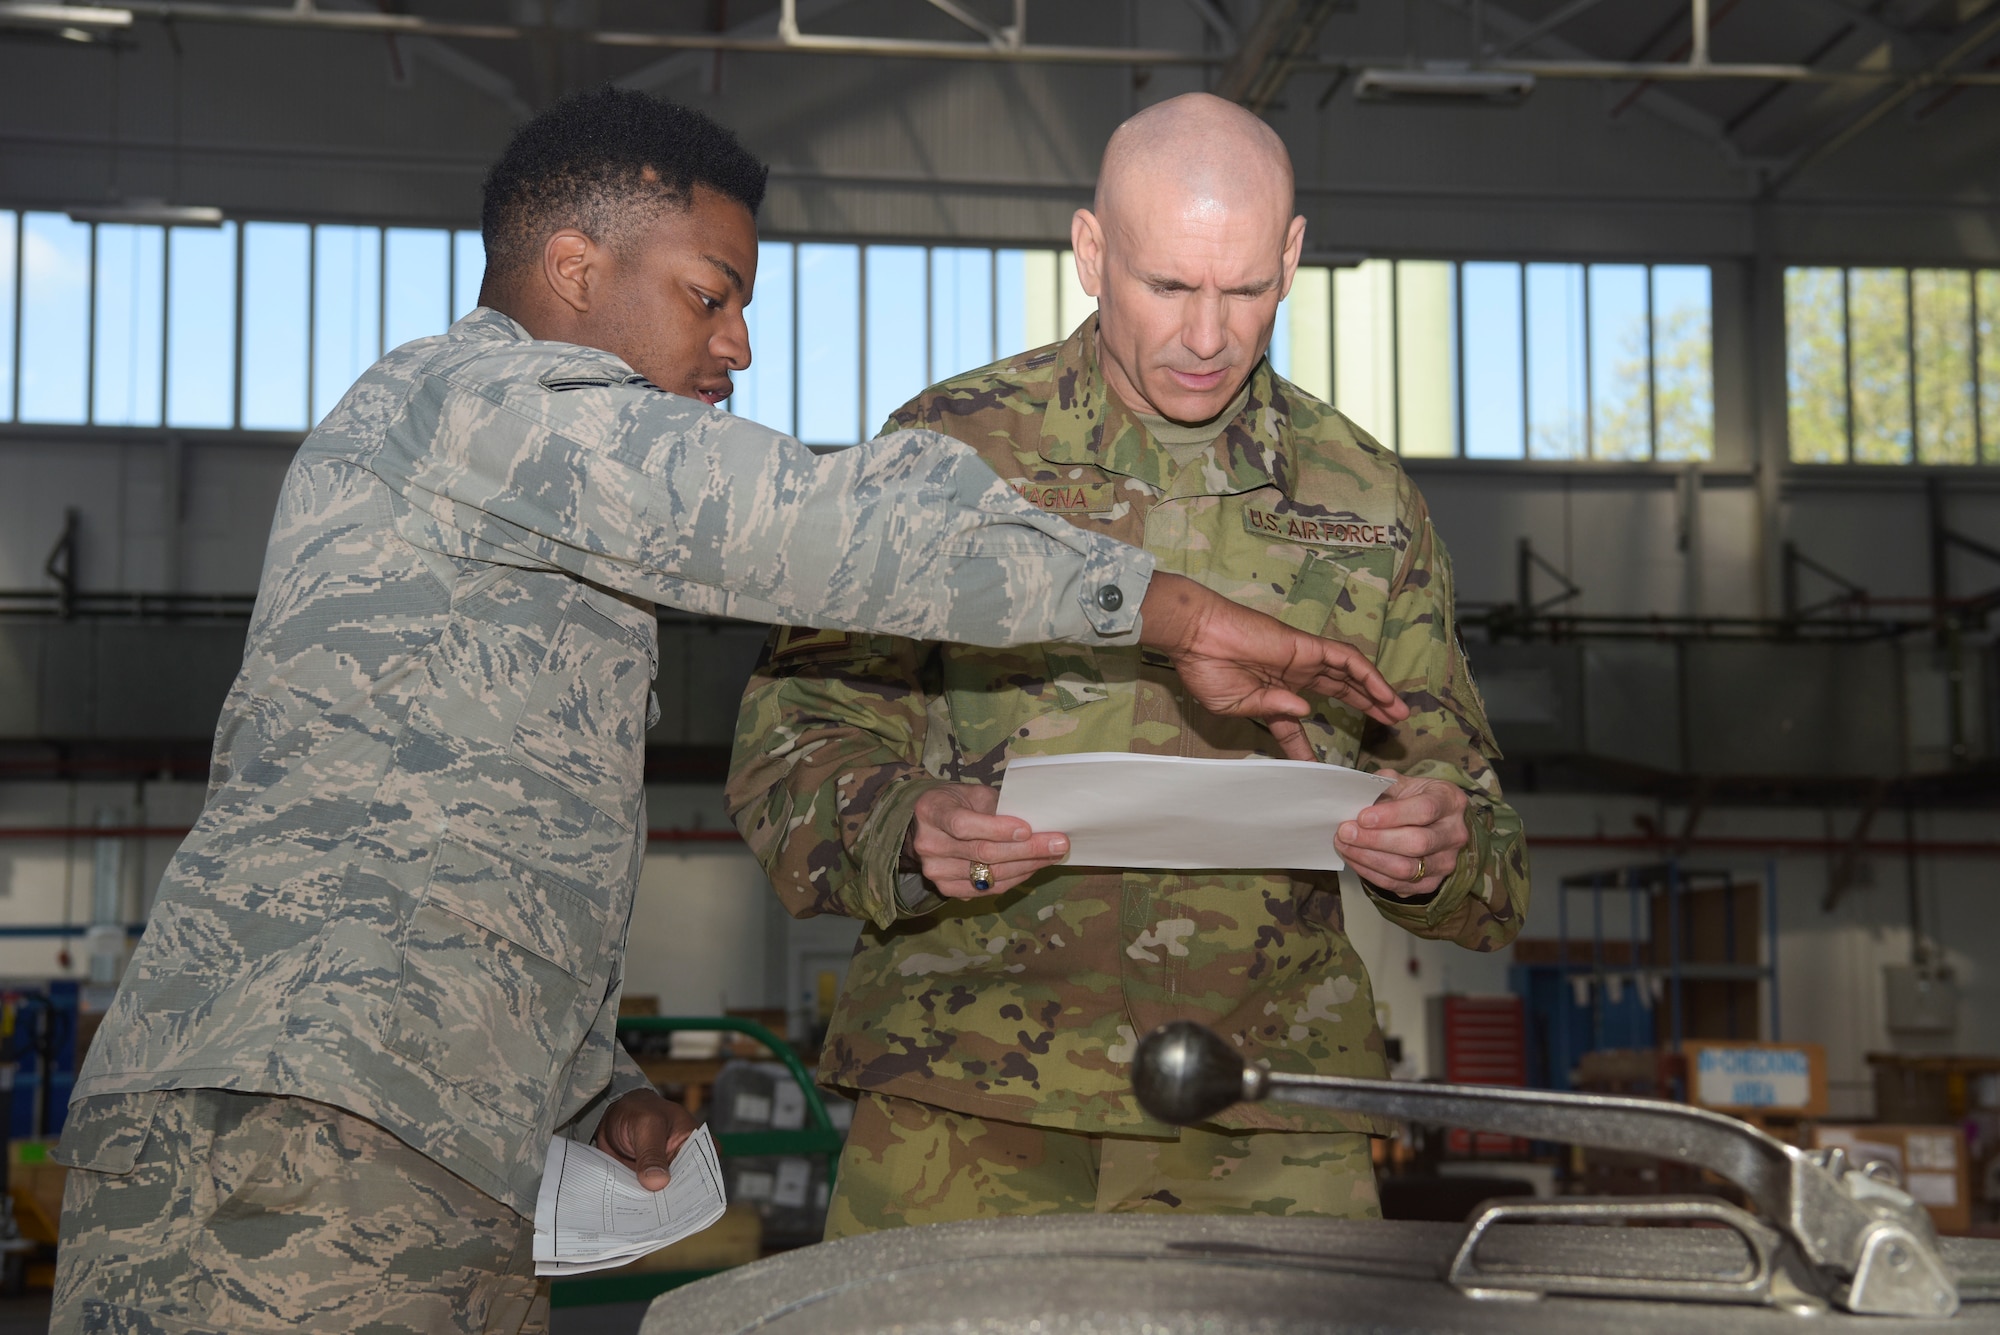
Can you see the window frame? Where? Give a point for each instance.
(1060, 299)
(1985, 450)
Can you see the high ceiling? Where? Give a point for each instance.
(955, 117)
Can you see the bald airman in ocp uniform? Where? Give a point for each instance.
(992, 1008)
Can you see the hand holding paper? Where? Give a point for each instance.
(644, 1131)
(592, 1213)
(955, 825)
(1409, 842)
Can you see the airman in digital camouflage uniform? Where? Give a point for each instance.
(990, 1037)
(384, 968)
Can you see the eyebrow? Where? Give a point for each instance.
(728, 271)
(1245, 290)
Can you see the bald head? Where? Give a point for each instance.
(1189, 248)
(1194, 151)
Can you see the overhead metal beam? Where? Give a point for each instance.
(1621, 71)
(1273, 47)
(1008, 37)
(1217, 22)
(1936, 74)
(1548, 25)
(308, 17)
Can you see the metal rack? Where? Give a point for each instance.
(1644, 969)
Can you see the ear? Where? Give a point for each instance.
(1295, 244)
(570, 262)
(1086, 239)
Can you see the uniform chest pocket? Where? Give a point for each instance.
(584, 723)
(1311, 603)
(498, 977)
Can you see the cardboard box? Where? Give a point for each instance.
(36, 1183)
(1930, 1161)
(1757, 1079)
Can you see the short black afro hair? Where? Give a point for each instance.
(584, 163)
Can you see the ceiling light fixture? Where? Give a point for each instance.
(79, 23)
(1443, 83)
(150, 213)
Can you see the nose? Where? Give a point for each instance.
(1202, 331)
(731, 343)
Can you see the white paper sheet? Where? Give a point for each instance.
(592, 1214)
(1176, 813)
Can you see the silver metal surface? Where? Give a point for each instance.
(1211, 1275)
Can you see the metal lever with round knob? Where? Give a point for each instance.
(1875, 1238)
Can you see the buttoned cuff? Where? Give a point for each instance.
(879, 851)
(1115, 579)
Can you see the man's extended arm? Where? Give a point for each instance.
(671, 501)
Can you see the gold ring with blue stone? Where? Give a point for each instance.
(982, 877)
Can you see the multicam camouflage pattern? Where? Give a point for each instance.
(908, 1163)
(1027, 1007)
(409, 891)
(248, 1213)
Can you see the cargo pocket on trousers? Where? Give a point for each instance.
(495, 962)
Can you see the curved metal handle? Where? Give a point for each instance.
(1182, 1074)
(1751, 1285)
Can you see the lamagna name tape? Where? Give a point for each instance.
(1317, 532)
(1067, 498)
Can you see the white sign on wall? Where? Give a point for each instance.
(1753, 1077)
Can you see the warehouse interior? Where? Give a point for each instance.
(1685, 318)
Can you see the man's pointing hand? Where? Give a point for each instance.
(1239, 662)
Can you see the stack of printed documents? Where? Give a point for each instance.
(592, 1214)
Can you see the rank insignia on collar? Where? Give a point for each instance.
(1067, 498)
(1317, 530)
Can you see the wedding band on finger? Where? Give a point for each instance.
(982, 877)
(1418, 875)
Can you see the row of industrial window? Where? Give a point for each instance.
(1484, 360)
(263, 325)
(1893, 365)
(258, 325)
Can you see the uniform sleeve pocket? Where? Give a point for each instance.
(494, 970)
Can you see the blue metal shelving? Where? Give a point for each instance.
(1615, 1006)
